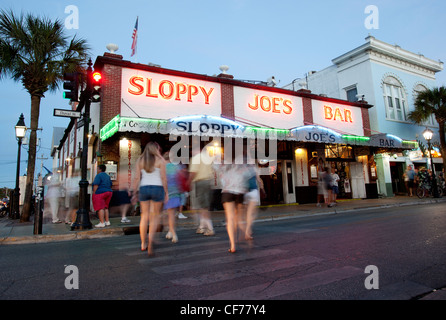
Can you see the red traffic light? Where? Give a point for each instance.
(97, 76)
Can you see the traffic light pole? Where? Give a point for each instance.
(83, 214)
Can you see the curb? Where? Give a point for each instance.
(97, 233)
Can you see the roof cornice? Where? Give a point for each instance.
(393, 51)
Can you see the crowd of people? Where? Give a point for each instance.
(327, 187)
(160, 185)
(421, 176)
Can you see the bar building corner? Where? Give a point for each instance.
(293, 134)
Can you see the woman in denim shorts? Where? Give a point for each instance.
(152, 182)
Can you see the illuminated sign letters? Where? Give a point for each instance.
(167, 89)
(337, 114)
(271, 104)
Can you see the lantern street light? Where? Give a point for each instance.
(428, 134)
(20, 131)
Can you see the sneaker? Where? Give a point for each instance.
(181, 216)
(100, 225)
(107, 223)
(209, 233)
(169, 235)
(200, 230)
(125, 220)
(175, 239)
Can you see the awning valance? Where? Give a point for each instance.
(212, 126)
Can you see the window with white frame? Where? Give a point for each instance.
(394, 99)
(431, 121)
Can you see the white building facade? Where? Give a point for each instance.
(388, 78)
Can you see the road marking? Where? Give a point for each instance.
(211, 261)
(246, 271)
(274, 289)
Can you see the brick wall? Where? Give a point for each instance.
(110, 105)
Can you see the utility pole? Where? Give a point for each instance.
(82, 215)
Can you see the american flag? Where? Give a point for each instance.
(135, 38)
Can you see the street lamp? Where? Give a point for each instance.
(428, 134)
(20, 131)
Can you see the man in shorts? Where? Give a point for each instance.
(201, 176)
(102, 193)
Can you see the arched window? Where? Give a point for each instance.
(416, 90)
(394, 99)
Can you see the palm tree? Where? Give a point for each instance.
(35, 51)
(432, 102)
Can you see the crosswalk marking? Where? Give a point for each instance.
(274, 289)
(208, 262)
(246, 271)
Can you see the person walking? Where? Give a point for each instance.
(172, 174)
(252, 199)
(410, 174)
(53, 196)
(234, 181)
(200, 178)
(102, 193)
(334, 185)
(72, 192)
(151, 183)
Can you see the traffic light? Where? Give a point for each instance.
(71, 84)
(96, 83)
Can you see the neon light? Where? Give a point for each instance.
(271, 104)
(110, 128)
(337, 114)
(168, 90)
(358, 138)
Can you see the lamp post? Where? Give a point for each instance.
(428, 134)
(20, 131)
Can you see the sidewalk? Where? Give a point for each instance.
(14, 232)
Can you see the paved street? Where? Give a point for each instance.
(319, 257)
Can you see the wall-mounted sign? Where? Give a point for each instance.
(205, 126)
(159, 96)
(268, 109)
(384, 140)
(343, 118)
(316, 134)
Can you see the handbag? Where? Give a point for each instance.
(183, 181)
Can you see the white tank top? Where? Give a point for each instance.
(151, 178)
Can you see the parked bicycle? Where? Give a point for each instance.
(426, 190)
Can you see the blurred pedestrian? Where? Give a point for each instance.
(150, 178)
(234, 181)
(53, 196)
(252, 199)
(184, 187)
(200, 177)
(122, 197)
(102, 193)
(72, 192)
(173, 204)
(410, 174)
(334, 185)
(321, 188)
(326, 178)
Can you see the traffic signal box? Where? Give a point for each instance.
(71, 86)
(96, 84)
